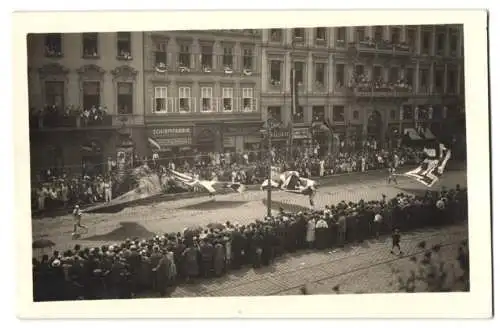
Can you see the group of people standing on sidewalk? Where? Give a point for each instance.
(156, 265)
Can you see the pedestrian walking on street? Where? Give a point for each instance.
(392, 175)
(396, 240)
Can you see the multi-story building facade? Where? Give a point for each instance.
(86, 99)
(365, 81)
(202, 91)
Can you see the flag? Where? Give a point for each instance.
(432, 167)
(328, 124)
(294, 90)
(154, 143)
(87, 148)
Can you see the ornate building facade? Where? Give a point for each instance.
(86, 99)
(202, 91)
(363, 82)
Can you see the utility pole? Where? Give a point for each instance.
(269, 165)
(269, 132)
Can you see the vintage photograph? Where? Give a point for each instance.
(248, 162)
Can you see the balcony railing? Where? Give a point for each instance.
(369, 45)
(381, 92)
(69, 121)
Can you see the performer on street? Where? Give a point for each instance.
(392, 175)
(396, 239)
(77, 216)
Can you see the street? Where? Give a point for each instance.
(361, 268)
(365, 268)
(174, 216)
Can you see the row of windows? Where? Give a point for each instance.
(91, 95)
(407, 112)
(207, 102)
(395, 36)
(90, 45)
(206, 56)
(395, 74)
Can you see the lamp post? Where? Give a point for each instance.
(271, 125)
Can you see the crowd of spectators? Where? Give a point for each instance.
(153, 266)
(62, 191)
(69, 116)
(383, 44)
(361, 82)
(56, 191)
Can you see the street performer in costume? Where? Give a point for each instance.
(77, 221)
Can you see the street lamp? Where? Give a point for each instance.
(271, 124)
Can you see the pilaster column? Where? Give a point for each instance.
(433, 41)
(431, 78)
(445, 79)
(330, 75)
(416, 78)
(418, 47)
(286, 74)
(350, 34)
(310, 73)
(264, 78)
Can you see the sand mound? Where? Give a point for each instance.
(149, 184)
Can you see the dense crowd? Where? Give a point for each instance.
(56, 116)
(63, 191)
(361, 82)
(154, 265)
(383, 44)
(57, 191)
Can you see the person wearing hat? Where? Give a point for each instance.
(219, 257)
(192, 269)
(207, 255)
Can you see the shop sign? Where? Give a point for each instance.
(301, 133)
(178, 141)
(229, 142)
(243, 130)
(161, 132)
(252, 139)
(280, 134)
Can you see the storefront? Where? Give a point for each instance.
(301, 140)
(171, 143)
(242, 137)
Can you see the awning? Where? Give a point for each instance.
(429, 135)
(412, 134)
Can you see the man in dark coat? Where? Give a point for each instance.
(207, 256)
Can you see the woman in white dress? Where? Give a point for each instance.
(311, 233)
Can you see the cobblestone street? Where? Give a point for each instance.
(362, 268)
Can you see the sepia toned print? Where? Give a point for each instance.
(255, 162)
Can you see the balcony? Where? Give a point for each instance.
(381, 47)
(381, 92)
(51, 118)
(69, 122)
(274, 85)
